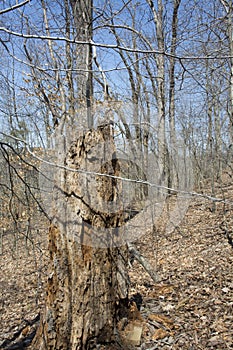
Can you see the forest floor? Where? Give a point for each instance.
(191, 305)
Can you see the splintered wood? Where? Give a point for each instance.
(87, 292)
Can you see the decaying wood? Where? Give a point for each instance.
(87, 292)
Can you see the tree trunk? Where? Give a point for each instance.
(82, 12)
(87, 292)
(230, 34)
(172, 174)
(158, 16)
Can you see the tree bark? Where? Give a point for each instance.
(82, 12)
(87, 292)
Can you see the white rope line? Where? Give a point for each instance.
(139, 181)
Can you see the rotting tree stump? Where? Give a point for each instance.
(87, 291)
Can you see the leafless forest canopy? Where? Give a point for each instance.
(159, 75)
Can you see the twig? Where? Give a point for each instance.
(147, 266)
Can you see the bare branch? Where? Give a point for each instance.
(225, 5)
(113, 46)
(144, 262)
(14, 7)
(143, 182)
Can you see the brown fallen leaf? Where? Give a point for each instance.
(134, 313)
(183, 302)
(26, 330)
(161, 290)
(160, 334)
(164, 320)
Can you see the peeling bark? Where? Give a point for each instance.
(87, 292)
